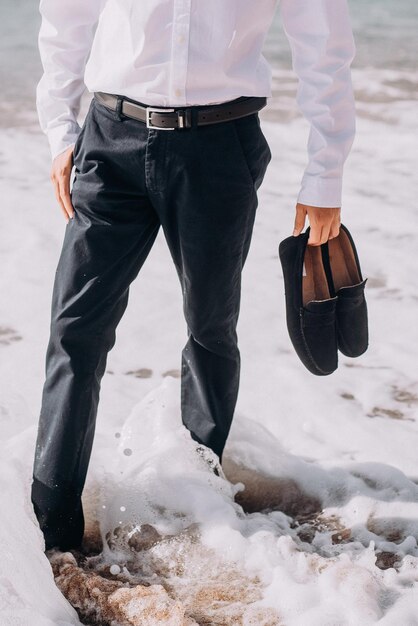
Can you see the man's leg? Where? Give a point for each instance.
(207, 211)
(103, 250)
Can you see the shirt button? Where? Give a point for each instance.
(181, 38)
(178, 93)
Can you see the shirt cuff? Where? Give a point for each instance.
(321, 192)
(62, 137)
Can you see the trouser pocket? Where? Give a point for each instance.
(253, 147)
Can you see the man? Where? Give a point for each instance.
(200, 62)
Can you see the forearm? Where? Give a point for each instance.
(322, 44)
(65, 38)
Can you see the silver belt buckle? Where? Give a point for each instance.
(150, 110)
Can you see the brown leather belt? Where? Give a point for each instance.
(171, 118)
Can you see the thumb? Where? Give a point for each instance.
(299, 221)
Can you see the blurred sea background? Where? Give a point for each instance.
(385, 69)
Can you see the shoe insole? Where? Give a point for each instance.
(314, 284)
(342, 261)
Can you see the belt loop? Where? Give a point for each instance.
(189, 117)
(119, 108)
(192, 116)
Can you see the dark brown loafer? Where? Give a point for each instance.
(310, 307)
(346, 282)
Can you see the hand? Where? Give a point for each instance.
(62, 166)
(324, 222)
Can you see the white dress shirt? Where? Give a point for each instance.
(185, 52)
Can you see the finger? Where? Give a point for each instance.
(64, 189)
(299, 221)
(335, 227)
(325, 234)
(58, 197)
(315, 235)
(335, 231)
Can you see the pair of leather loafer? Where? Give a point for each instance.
(326, 309)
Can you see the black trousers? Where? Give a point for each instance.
(200, 184)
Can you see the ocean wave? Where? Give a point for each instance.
(382, 94)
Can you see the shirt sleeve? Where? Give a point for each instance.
(65, 38)
(322, 46)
